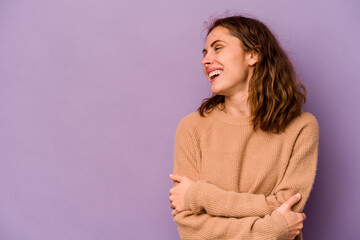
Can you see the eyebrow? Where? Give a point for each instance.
(205, 51)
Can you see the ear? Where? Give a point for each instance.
(253, 58)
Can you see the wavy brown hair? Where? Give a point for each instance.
(275, 94)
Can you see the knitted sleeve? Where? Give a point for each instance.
(299, 177)
(203, 226)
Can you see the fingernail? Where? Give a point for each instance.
(171, 175)
(298, 195)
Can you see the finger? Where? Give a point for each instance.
(175, 178)
(174, 212)
(301, 226)
(291, 236)
(292, 200)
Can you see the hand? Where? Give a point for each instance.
(177, 194)
(295, 220)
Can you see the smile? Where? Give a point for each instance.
(214, 74)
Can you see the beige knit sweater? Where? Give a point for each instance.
(241, 175)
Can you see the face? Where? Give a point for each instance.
(226, 64)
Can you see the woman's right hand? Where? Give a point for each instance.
(294, 219)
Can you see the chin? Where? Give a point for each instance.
(217, 91)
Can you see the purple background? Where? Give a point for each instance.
(91, 93)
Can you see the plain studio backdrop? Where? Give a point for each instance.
(91, 92)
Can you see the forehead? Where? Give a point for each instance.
(219, 33)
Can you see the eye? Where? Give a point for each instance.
(204, 53)
(217, 48)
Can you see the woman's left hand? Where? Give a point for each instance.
(177, 194)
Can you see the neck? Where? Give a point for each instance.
(236, 104)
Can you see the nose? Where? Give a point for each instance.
(207, 60)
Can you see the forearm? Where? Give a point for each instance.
(204, 197)
(204, 226)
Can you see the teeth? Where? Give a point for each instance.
(216, 72)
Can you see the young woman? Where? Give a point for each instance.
(240, 160)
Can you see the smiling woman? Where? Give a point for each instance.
(240, 160)
(225, 59)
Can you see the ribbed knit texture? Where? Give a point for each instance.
(241, 175)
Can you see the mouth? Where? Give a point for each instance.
(214, 75)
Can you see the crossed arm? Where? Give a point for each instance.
(242, 214)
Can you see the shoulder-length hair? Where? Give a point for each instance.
(275, 94)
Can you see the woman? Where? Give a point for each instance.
(240, 160)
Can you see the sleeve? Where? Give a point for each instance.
(299, 177)
(203, 226)
(190, 225)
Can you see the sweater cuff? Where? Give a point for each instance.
(190, 197)
(281, 225)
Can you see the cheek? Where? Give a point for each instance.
(239, 72)
(240, 64)
(204, 71)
